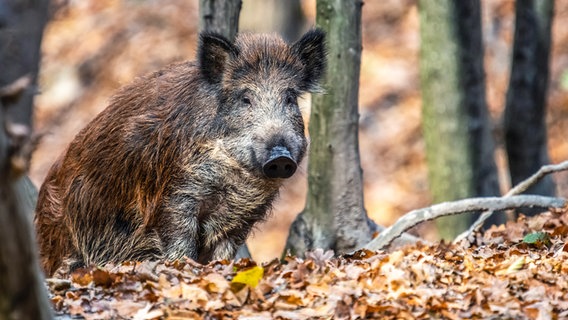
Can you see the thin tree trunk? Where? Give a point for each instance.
(22, 291)
(334, 217)
(220, 16)
(472, 81)
(525, 127)
(456, 128)
(23, 294)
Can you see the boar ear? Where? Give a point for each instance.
(312, 52)
(213, 53)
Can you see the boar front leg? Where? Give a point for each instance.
(180, 230)
(221, 241)
(220, 250)
(224, 249)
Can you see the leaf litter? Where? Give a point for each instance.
(498, 275)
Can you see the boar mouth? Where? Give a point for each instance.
(280, 164)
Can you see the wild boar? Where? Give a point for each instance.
(183, 162)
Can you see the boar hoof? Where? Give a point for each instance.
(280, 164)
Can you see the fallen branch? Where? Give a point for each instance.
(404, 239)
(415, 217)
(518, 189)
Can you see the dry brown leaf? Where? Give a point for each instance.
(216, 283)
(513, 267)
(484, 280)
(194, 293)
(147, 313)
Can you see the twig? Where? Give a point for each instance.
(15, 88)
(543, 171)
(415, 217)
(518, 189)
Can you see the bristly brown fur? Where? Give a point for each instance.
(172, 167)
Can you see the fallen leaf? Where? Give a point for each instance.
(249, 277)
(146, 314)
(81, 277)
(537, 238)
(55, 284)
(517, 265)
(215, 283)
(101, 278)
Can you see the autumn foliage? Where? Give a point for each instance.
(502, 274)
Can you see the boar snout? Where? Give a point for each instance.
(280, 163)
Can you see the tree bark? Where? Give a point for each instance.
(524, 122)
(283, 17)
(472, 82)
(334, 217)
(220, 16)
(21, 30)
(22, 291)
(459, 145)
(23, 294)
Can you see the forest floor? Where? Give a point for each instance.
(516, 271)
(91, 48)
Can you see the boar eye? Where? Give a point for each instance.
(246, 100)
(290, 99)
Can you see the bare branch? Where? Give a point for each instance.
(518, 189)
(415, 217)
(543, 171)
(15, 88)
(404, 239)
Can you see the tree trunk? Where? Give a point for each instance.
(334, 217)
(22, 293)
(21, 29)
(220, 16)
(283, 17)
(459, 145)
(472, 82)
(525, 128)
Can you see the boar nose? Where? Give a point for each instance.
(280, 163)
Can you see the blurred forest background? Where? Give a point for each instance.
(93, 47)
